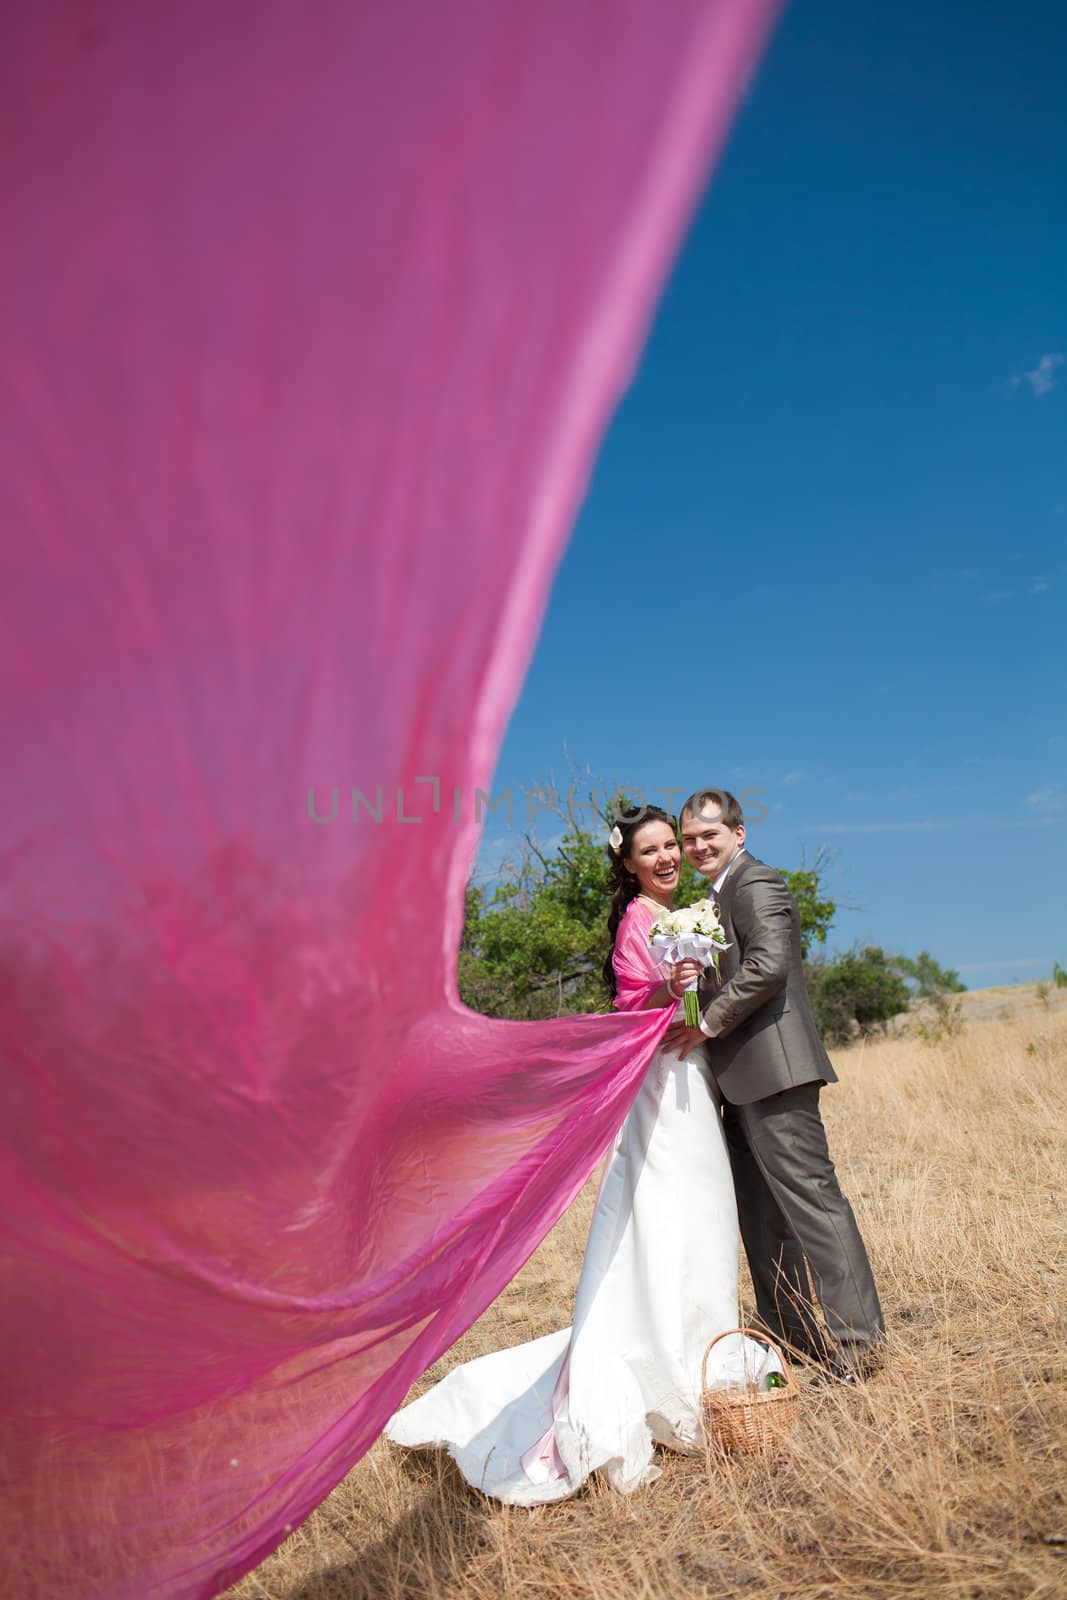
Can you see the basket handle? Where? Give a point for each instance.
(752, 1333)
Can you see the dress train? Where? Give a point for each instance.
(528, 1424)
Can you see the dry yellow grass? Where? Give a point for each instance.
(943, 1478)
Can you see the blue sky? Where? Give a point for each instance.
(838, 489)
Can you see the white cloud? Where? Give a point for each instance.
(1042, 378)
(997, 597)
(994, 966)
(1046, 801)
(796, 776)
(881, 827)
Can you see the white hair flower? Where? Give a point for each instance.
(615, 838)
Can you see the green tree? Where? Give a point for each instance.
(928, 976)
(533, 947)
(858, 992)
(816, 910)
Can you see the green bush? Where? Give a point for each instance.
(856, 993)
(928, 976)
(942, 1020)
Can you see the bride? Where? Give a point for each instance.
(659, 1278)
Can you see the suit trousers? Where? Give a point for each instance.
(790, 1207)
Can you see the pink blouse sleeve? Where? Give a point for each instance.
(637, 972)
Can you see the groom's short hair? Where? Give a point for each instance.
(717, 805)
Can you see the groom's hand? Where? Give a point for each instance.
(684, 1041)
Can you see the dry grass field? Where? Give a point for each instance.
(943, 1477)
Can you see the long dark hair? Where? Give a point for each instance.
(622, 884)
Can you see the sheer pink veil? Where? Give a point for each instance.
(313, 316)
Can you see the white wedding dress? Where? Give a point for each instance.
(658, 1283)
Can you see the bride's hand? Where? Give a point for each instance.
(684, 973)
(682, 1039)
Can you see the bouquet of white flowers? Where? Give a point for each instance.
(692, 934)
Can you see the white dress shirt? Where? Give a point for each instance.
(724, 874)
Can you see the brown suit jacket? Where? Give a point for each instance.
(763, 1035)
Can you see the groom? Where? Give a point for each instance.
(765, 1051)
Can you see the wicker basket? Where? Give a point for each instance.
(755, 1420)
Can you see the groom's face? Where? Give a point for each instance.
(708, 844)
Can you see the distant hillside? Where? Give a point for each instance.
(1007, 1003)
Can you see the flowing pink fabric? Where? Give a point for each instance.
(312, 317)
(637, 972)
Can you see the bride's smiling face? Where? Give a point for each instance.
(654, 859)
